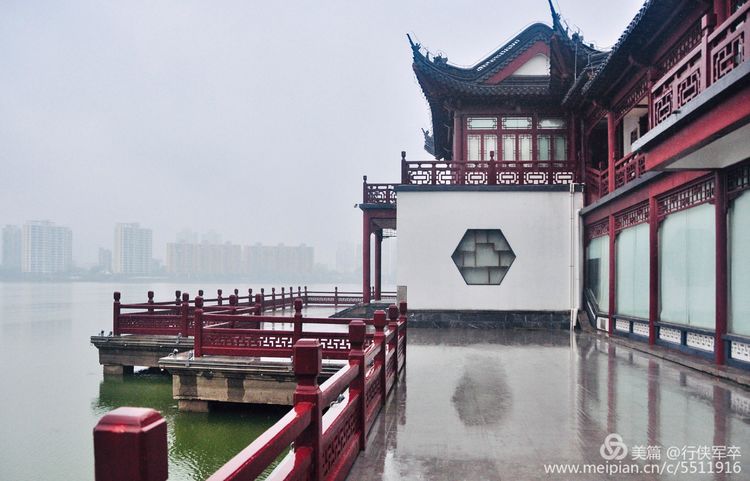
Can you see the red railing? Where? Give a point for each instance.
(629, 168)
(176, 317)
(435, 172)
(381, 194)
(597, 183)
(719, 52)
(324, 431)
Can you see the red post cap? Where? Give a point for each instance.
(130, 444)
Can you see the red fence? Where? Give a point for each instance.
(176, 317)
(532, 172)
(719, 52)
(325, 429)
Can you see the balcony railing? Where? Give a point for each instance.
(435, 172)
(381, 194)
(719, 52)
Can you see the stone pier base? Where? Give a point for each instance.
(118, 354)
(193, 406)
(116, 370)
(199, 381)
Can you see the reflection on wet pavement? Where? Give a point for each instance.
(491, 405)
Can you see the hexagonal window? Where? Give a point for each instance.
(483, 256)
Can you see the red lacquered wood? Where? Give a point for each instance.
(130, 444)
(254, 459)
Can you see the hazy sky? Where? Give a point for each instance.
(253, 119)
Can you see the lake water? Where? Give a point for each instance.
(52, 392)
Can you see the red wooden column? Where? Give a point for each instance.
(366, 257)
(612, 274)
(378, 263)
(611, 150)
(357, 330)
(653, 269)
(720, 196)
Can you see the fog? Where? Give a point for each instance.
(253, 119)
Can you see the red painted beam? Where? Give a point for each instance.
(733, 110)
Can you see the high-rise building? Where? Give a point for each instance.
(105, 260)
(187, 259)
(46, 248)
(132, 253)
(11, 261)
(279, 261)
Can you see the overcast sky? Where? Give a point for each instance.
(253, 119)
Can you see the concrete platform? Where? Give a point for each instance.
(118, 354)
(199, 382)
(507, 405)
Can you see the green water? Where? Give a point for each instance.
(52, 392)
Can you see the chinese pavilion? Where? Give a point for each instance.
(566, 179)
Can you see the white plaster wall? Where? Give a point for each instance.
(536, 225)
(537, 65)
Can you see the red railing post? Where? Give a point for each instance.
(297, 335)
(130, 444)
(233, 303)
(299, 292)
(262, 299)
(492, 179)
(178, 298)
(219, 299)
(250, 297)
(393, 326)
(308, 357)
(200, 292)
(305, 298)
(258, 304)
(402, 319)
(273, 298)
(357, 329)
(283, 302)
(185, 313)
(150, 295)
(378, 321)
(116, 315)
(198, 328)
(404, 169)
(364, 189)
(336, 296)
(291, 296)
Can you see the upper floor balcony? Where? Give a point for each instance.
(654, 126)
(478, 173)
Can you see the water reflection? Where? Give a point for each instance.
(555, 397)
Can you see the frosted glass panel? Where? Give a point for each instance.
(524, 147)
(561, 148)
(482, 123)
(490, 145)
(509, 147)
(474, 146)
(739, 265)
(516, 122)
(632, 271)
(543, 146)
(551, 124)
(597, 262)
(687, 267)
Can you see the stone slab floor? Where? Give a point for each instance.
(499, 405)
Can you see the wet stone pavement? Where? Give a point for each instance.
(500, 405)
